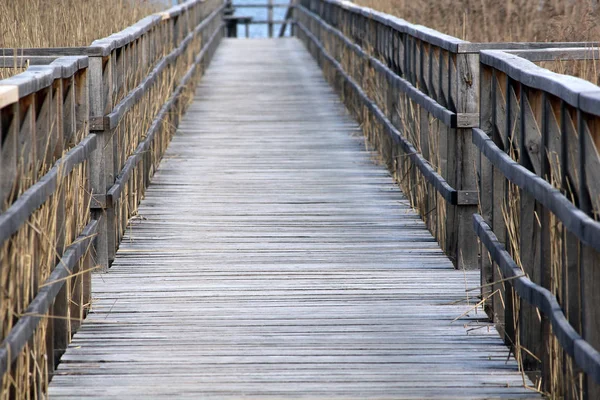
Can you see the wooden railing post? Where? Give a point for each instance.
(230, 23)
(61, 324)
(82, 126)
(101, 168)
(293, 31)
(465, 156)
(486, 186)
(589, 258)
(270, 17)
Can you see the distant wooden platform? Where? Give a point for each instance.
(273, 258)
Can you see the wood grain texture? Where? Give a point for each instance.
(273, 258)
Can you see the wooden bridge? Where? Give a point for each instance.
(366, 209)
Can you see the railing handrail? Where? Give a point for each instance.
(575, 91)
(38, 77)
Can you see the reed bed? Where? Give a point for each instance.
(508, 21)
(6, 71)
(494, 21)
(64, 23)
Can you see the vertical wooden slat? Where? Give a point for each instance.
(545, 262)
(60, 309)
(529, 238)
(443, 132)
(485, 181)
(101, 167)
(113, 150)
(450, 137)
(431, 82)
(43, 137)
(9, 128)
(82, 114)
(270, 17)
(572, 276)
(589, 258)
(462, 160)
(69, 134)
(69, 123)
(501, 189)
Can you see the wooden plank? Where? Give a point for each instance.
(467, 101)
(9, 155)
(529, 243)
(272, 258)
(589, 258)
(485, 182)
(101, 166)
(8, 95)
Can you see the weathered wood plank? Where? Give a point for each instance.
(273, 258)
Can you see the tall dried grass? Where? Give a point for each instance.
(508, 21)
(63, 23)
(500, 21)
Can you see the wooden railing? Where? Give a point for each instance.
(417, 94)
(45, 227)
(138, 76)
(81, 137)
(476, 137)
(418, 100)
(539, 179)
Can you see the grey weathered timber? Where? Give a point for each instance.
(274, 258)
(539, 134)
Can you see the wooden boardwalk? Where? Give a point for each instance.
(273, 258)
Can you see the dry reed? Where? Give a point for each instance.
(507, 21)
(500, 21)
(64, 23)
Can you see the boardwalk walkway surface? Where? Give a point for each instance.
(273, 258)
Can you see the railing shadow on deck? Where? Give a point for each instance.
(419, 94)
(83, 130)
